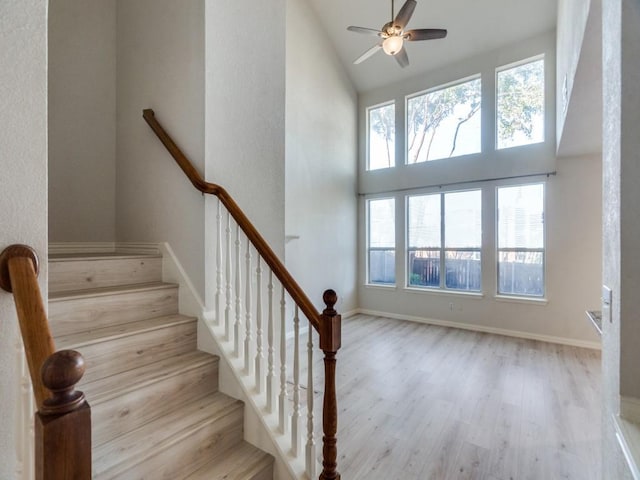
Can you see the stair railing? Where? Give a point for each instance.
(63, 418)
(237, 237)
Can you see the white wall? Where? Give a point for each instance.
(321, 142)
(621, 223)
(23, 183)
(82, 120)
(245, 115)
(572, 21)
(160, 65)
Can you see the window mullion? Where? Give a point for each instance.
(442, 271)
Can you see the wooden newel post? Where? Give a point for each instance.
(330, 342)
(63, 424)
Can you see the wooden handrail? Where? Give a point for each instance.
(20, 276)
(63, 420)
(279, 270)
(327, 323)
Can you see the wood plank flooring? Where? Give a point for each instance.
(433, 403)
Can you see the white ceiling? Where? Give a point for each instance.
(474, 26)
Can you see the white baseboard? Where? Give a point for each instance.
(57, 248)
(142, 248)
(630, 408)
(481, 328)
(190, 302)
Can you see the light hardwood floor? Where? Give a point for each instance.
(426, 402)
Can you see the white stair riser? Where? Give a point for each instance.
(193, 451)
(116, 416)
(105, 272)
(67, 316)
(107, 358)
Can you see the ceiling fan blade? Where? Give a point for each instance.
(367, 31)
(402, 58)
(367, 54)
(404, 15)
(425, 34)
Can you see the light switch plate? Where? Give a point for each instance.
(606, 303)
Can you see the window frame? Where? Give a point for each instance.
(542, 250)
(443, 86)
(509, 66)
(369, 249)
(442, 249)
(368, 135)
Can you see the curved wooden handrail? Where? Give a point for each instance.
(279, 270)
(63, 419)
(19, 275)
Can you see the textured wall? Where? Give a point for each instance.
(245, 114)
(572, 20)
(82, 120)
(160, 65)
(23, 182)
(617, 137)
(321, 161)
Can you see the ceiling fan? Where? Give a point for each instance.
(393, 35)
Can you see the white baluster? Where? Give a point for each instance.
(259, 357)
(247, 314)
(219, 264)
(295, 416)
(310, 459)
(227, 310)
(236, 325)
(271, 378)
(283, 367)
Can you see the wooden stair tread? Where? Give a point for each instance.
(242, 462)
(104, 291)
(117, 385)
(117, 456)
(71, 257)
(99, 335)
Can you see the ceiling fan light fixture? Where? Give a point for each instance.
(392, 44)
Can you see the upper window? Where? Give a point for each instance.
(381, 239)
(521, 240)
(520, 105)
(444, 234)
(444, 123)
(382, 136)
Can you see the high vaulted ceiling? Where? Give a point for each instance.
(474, 26)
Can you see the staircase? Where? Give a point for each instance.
(156, 409)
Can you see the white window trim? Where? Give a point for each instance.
(509, 66)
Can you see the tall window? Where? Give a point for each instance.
(381, 238)
(444, 123)
(381, 136)
(520, 105)
(444, 234)
(521, 240)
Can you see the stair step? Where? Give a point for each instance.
(120, 403)
(175, 445)
(118, 348)
(69, 272)
(78, 310)
(242, 462)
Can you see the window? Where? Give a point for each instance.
(520, 105)
(444, 123)
(521, 240)
(382, 136)
(381, 241)
(444, 234)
